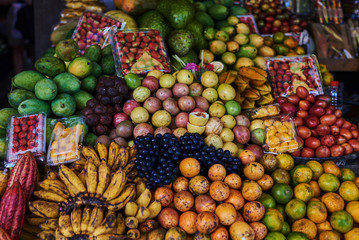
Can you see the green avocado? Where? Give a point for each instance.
(93, 53)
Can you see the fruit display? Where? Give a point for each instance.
(263, 112)
(327, 77)
(249, 20)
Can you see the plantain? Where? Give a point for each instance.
(79, 164)
(103, 178)
(52, 175)
(107, 225)
(113, 152)
(140, 187)
(59, 236)
(50, 196)
(148, 226)
(91, 177)
(120, 224)
(35, 220)
(122, 159)
(56, 186)
(85, 219)
(102, 151)
(65, 225)
(131, 222)
(76, 216)
(126, 195)
(144, 199)
(128, 168)
(133, 234)
(133, 152)
(142, 214)
(82, 176)
(116, 185)
(50, 224)
(71, 180)
(44, 209)
(47, 235)
(95, 219)
(131, 209)
(155, 208)
(91, 155)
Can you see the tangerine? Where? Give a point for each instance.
(304, 192)
(189, 167)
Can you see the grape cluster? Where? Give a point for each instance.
(158, 157)
(112, 90)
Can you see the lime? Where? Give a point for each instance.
(132, 81)
(233, 108)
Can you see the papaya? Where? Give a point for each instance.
(108, 65)
(5, 116)
(67, 83)
(50, 66)
(80, 67)
(81, 98)
(27, 80)
(67, 50)
(93, 53)
(63, 105)
(46, 89)
(2, 148)
(32, 106)
(96, 70)
(89, 83)
(16, 96)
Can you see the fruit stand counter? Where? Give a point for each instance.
(341, 65)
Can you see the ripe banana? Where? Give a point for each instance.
(113, 152)
(121, 225)
(50, 196)
(91, 177)
(50, 224)
(155, 209)
(128, 168)
(91, 155)
(131, 222)
(56, 186)
(108, 236)
(140, 187)
(85, 220)
(103, 178)
(127, 195)
(46, 235)
(102, 151)
(65, 225)
(95, 219)
(82, 176)
(71, 180)
(133, 234)
(133, 152)
(52, 175)
(27, 227)
(116, 185)
(144, 199)
(121, 159)
(107, 225)
(76, 216)
(27, 236)
(142, 214)
(44, 209)
(131, 209)
(34, 219)
(59, 236)
(79, 164)
(148, 226)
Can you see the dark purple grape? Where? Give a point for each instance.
(123, 89)
(86, 111)
(99, 109)
(101, 90)
(109, 82)
(92, 120)
(105, 119)
(105, 100)
(91, 103)
(101, 129)
(116, 99)
(102, 80)
(112, 92)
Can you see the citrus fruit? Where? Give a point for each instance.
(328, 182)
(269, 162)
(315, 187)
(267, 201)
(341, 221)
(285, 161)
(297, 236)
(353, 209)
(273, 220)
(132, 81)
(285, 229)
(324, 226)
(305, 226)
(304, 192)
(352, 234)
(347, 175)
(301, 174)
(281, 176)
(331, 167)
(275, 236)
(333, 202)
(233, 108)
(282, 193)
(349, 191)
(199, 185)
(281, 209)
(295, 209)
(278, 37)
(332, 235)
(316, 168)
(316, 212)
(189, 167)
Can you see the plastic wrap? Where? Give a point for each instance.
(263, 112)
(26, 133)
(249, 19)
(139, 51)
(66, 141)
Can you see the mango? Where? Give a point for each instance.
(50, 66)
(5, 116)
(81, 98)
(2, 148)
(89, 83)
(27, 80)
(16, 96)
(32, 106)
(50, 52)
(93, 53)
(2, 132)
(108, 65)
(46, 89)
(67, 83)
(96, 70)
(67, 50)
(63, 105)
(81, 67)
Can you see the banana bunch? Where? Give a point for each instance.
(251, 86)
(74, 9)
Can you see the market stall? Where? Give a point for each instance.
(168, 119)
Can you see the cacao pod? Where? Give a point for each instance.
(4, 235)
(12, 210)
(25, 172)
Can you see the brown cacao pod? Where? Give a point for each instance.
(25, 172)
(12, 210)
(4, 235)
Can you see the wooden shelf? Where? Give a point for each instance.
(341, 65)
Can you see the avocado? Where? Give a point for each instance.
(63, 105)
(50, 66)
(45, 89)
(32, 106)
(27, 80)
(204, 19)
(67, 83)
(16, 96)
(181, 41)
(93, 53)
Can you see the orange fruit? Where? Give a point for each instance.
(281, 176)
(316, 188)
(341, 221)
(356, 181)
(303, 191)
(324, 226)
(253, 171)
(353, 209)
(301, 174)
(235, 198)
(295, 209)
(282, 193)
(251, 191)
(349, 191)
(233, 180)
(352, 234)
(331, 167)
(332, 235)
(329, 182)
(316, 168)
(266, 182)
(285, 161)
(253, 211)
(273, 220)
(260, 230)
(199, 185)
(316, 212)
(219, 191)
(347, 175)
(189, 167)
(226, 214)
(333, 202)
(217, 172)
(305, 226)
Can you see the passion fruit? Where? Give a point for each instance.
(198, 118)
(161, 118)
(195, 129)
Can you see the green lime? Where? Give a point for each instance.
(132, 81)
(282, 193)
(233, 108)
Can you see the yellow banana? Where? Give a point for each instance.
(65, 226)
(56, 186)
(142, 214)
(128, 168)
(46, 235)
(107, 225)
(131, 222)
(144, 199)
(71, 180)
(121, 159)
(50, 224)
(52, 175)
(133, 152)
(76, 216)
(133, 234)
(79, 164)
(155, 209)
(126, 195)
(85, 220)
(95, 219)
(140, 187)
(113, 152)
(44, 209)
(27, 227)
(148, 226)
(116, 185)
(59, 236)
(108, 236)
(131, 209)
(50, 196)
(91, 155)
(27, 236)
(102, 151)
(82, 176)
(103, 178)
(91, 177)
(120, 224)
(35, 220)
